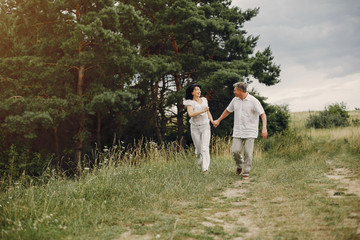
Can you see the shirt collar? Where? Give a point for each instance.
(245, 99)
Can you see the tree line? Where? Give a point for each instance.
(76, 74)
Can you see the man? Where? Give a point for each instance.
(247, 110)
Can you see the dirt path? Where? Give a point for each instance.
(348, 184)
(235, 221)
(235, 218)
(346, 179)
(238, 221)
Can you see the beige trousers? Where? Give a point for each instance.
(245, 163)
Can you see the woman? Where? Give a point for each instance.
(198, 111)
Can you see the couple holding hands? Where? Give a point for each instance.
(247, 110)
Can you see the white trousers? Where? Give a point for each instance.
(200, 135)
(243, 162)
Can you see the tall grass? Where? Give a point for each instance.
(124, 188)
(155, 190)
(346, 136)
(137, 154)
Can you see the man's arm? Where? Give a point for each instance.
(223, 115)
(264, 132)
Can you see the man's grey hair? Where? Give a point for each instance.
(241, 86)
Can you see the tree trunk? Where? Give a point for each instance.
(98, 130)
(180, 110)
(79, 145)
(161, 109)
(155, 100)
(57, 148)
(179, 105)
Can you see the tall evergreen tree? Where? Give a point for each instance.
(199, 41)
(75, 72)
(60, 61)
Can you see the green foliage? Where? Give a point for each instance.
(353, 144)
(264, 69)
(333, 116)
(355, 122)
(26, 116)
(112, 101)
(278, 118)
(60, 63)
(288, 144)
(19, 162)
(203, 43)
(78, 73)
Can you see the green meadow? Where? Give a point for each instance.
(304, 185)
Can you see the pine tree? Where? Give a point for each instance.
(197, 41)
(63, 60)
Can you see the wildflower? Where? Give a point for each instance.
(105, 149)
(153, 145)
(62, 227)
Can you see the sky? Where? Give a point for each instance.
(317, 45)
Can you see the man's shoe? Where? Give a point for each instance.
(245, 176)
(238, 171)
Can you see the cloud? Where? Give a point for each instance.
(312, 92)
(307, 32)
(317, 44)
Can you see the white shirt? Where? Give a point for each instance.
(246, 116)
(198, 107)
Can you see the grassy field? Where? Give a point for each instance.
(156, 192)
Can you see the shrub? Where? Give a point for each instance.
(288, 144)
(20, 161)
(278, 118)
(333, 116)
(355, 122)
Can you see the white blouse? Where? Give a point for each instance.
(198, 107)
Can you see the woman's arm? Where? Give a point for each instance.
(210, 117)
(191, 112)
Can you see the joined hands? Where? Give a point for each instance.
(215, 123)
